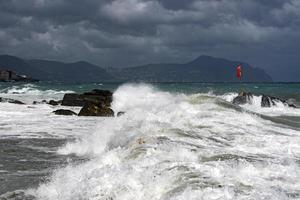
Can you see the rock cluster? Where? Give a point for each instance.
(94, 103)
(266, 101)
(95, 96)
(269, 101)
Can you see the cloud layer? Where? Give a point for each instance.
(131, 32)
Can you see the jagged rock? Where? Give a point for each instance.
(54, 103)
(96, 109)
(64, 112)
(269, 101)
(243, 98)
(95, 96)
(8, 100)
(120, 114)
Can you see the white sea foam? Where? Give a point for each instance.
(31, 92)
(173, 146)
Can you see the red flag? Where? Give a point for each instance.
(239, 71)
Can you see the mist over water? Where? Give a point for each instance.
(174, 142)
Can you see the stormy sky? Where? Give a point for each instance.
(114, 33)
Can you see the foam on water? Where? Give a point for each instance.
(174, 146)
(31, 92)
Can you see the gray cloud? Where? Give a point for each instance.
(131, 32)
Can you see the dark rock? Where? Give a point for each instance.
(44, 101)
(95, 96)
(8, 100)
(64, 112)
(96, 109)
(99, 92)
(266, 101)
(120, 114)
(243, 98)
(54, 103)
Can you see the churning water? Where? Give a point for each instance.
(172, 143)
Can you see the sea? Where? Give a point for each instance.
(176, 141)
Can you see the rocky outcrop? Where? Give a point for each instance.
(266, 101)
(64, 112)
(8, 100)
(269, 101)
(95, 96)
(96, 109)
(243, 98)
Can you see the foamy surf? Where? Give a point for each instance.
(31, 92)
(177, 146)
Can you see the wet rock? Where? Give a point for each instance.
(95, 96)
(96, 109)
(269, 101)
(8, 100)
(266, 101)
(243, 98)
(64, 112)
(54, 103)
(120, 114)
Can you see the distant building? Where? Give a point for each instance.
(8, 75)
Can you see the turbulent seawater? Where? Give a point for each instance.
(176, 141)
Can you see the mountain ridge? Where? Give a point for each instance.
(202, 69)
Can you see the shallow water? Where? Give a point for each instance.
(176, 141)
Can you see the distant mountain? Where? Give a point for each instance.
(202, 69)
(70, 72)
(56, 71)
(19, 66)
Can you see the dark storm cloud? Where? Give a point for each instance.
(130, 32)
